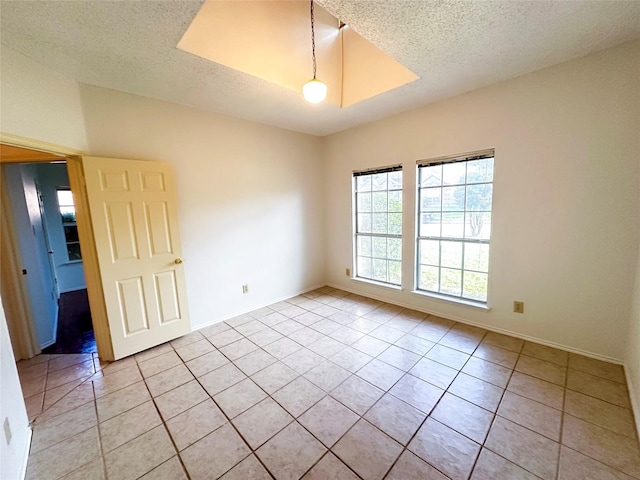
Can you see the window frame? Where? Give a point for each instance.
(69, 225)
(355, 273)
(463, 239)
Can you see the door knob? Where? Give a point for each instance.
(178, 261)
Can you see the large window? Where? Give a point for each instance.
(68, 214)
(378, 225)
(454, 226)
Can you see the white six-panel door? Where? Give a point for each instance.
(134, 219)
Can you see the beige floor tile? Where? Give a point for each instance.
(195, 423)
(34, 405)
(434, 373)
(476, 391)
(114, 381)
(306, 336)
(575, 466)
(368, 451)
(207, 363)
(498, 355)
(224, 338)
(153, 352)
(493, 467)
(487, 371)
(417, 393)
(298, 396)
(239, 397)
(112, 367)
(610, 371)
(330, 467)
(77, 372)
(119, 430)
(525, 448)
(171, 469)
(251, 327)
(411, 467)
(261, 422)
(531, 414)
(55, 394)
(34, 371)
(64, 457)
(159, 364)
(187, 339)
(230, 450)
(140, 455)
(32, 385)
(380, 374)
(180, 399)
(351, 359)
(282, 348)
(275, 318)
(396, 418)
(326, 347)
(544, 392)
(327, 375)
(291, 452)
(290, 326)
(459, 341)
(93, 470)
(607, 390)
(549, 354)
(414, 344)
(447, 450)
(37, 360)
(80, 395)
(309, 318)
(328, 420)
(168, 380)
(68, 360)
(363, 325)
(119, 402)
(547, 371)
(222, 378)
(249, 468)
(448, 356)
(604, 414)
(387, 333)
(430, 331)
(274, 377)
(265, 337)
(63, 427)
(357, 394)
(464, 417)
(504, 341)
(371, 346)
(303, 360)
(194, 350)
(214, 329)
(255, 361)
(612, 449)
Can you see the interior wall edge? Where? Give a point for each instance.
(633, 398)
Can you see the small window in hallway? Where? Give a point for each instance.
(68, 215)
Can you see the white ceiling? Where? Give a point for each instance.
(453, 46)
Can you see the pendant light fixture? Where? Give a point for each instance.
(314, 91)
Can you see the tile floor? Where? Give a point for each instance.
(330, 385)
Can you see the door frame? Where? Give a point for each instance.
(19, 315)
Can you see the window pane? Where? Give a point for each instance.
(429, 252)
(380, 202)
(379, 247)
(476, 257)
(480, 170)
(451, 281)
(453, 173)
(395, 180)
(71, 233)
(380, 222)
(395, 272)
(364, 246)
(363, 183)
(65, 197)
(395, 248)
(68, 214)
(73, 251)
(364, 223)
(379, 270)
(431, 199)
(395, 201)
(478, 225)
(364, 267)
(451, 254)
(430, 224)
(431, 176)
(379, 181)
(479, 197)
(395, 223)
(429, 279)
(364, 202)
(453, 199)
(475, 286)
(452, 225)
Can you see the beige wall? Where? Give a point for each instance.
(632, 361)
(566, 201)
(250, 197)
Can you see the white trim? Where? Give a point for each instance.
(451, 299)
(368, 281)
(491, 328)
(635, 401)
(33, 144)
(27, 451)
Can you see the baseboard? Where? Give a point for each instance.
(491, 328)
(633, 398)
(25, 460)
(55, 330)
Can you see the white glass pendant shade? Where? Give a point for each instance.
(314, 91)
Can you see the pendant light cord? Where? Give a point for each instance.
(313, 43)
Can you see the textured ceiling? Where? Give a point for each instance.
(453, 46)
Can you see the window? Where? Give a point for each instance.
(454, 226)
(68, 215)
(378, 225)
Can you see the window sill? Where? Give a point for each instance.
(70, 262)
(379, 284)
(454, 300)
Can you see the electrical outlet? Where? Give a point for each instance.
(7, 430)
(347, 272)
(245, 288)
(518, 307)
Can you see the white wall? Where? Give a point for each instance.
(249, 197)
(50, 177)
(13, 455)
(20, 183)
(632, 361)
(566, 205)
(39, 103)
